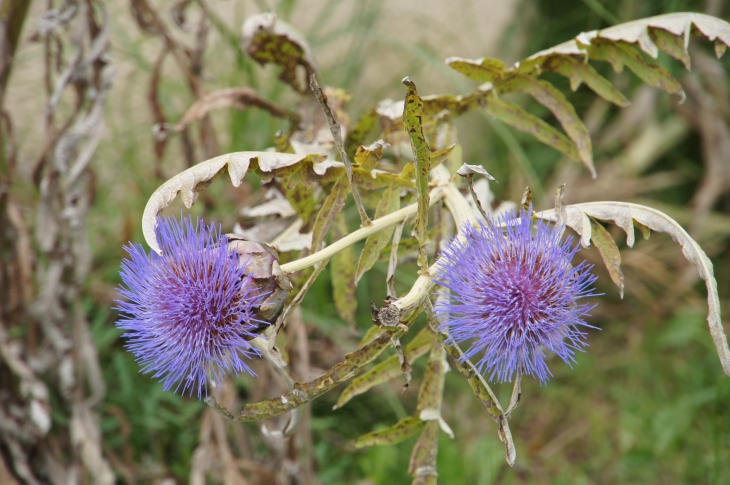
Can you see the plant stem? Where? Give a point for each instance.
(375, 226)
(337, 135)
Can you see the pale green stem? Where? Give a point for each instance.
(376, 225)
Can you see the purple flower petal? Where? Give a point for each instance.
(514, 293)
(188, 313)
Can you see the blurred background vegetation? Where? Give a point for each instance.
(647, 404)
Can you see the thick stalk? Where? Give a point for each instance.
(375, 226)
(462, 214)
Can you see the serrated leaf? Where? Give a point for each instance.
(388, 369)
(645, 231)
(720, 49)
(390, 202)
(680, 24)
(401, 431)
(516, 117)
(660, 222)
(671, 44)
(619, 54)
(609, 252)
(579, 72)
(456, 104)
(333, 204)
(191, 181)
(413, 121)
(485, 394)
(482, 70)
(343, 274)
(549, 96)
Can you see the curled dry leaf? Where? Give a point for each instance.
(467, 170)
(191, 181)
(615, 45)
(624, 214)
(239, 98)
(267, 39)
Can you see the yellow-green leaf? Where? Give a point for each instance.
(619, 54)
(671, 44)
(333, 204)
(366, 124)
(550, 97)
(579, 72)
(390, 202)
(518, 118)
(368, 157)
(343, 274)
(388, 369)
(400, 431)
(413, 121)
(482, 70)
(609, 252)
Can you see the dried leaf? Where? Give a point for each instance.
(619, 212)
(679, 24)
(389, 203)
(239, 98)
(467, 169)
(268, 39)
(275, 205)
(189, 182)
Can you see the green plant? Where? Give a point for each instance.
(410, 166)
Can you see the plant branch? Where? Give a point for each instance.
(306, 392)
(337, 135)
(376, 225)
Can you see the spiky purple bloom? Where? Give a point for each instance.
(514, 294)
(188, 313)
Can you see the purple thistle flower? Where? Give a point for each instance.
(514, 292)
(189, 314)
